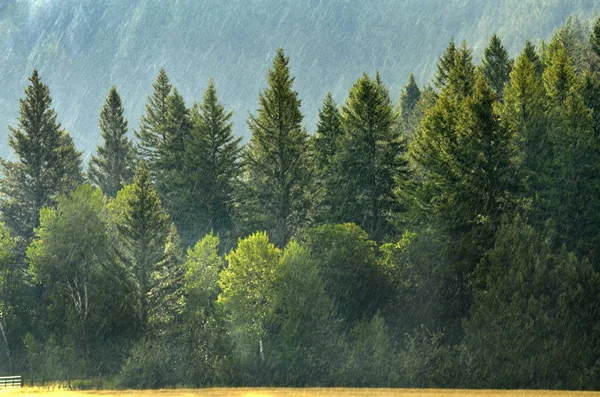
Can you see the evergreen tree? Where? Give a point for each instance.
(47, 163)
(142, 229)
(524, 112)
(409, 97)
(153, 126)
(445, 64)
(112, 167)
(595, 37)
(370, 163)
(496, 65)
(10, 278)
(591, 97)
(211, 166)
(461, 76)
(169, 163)
(165, 298)
(325, 145)
(531, 54)
(276, 164)
(470, 179)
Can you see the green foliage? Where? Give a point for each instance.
(210, 168)
(141, 229)
(113, 165)
(47, 163)
(247, 294)
(370, 162)
(154, 124)
(9, 279)
(533, 318)
(71, 259)
(445, 65)
(304, 334)
(595, 37)
(202, 267)
(348, 266)
(496, 65)
(409, 97)
(275, 176)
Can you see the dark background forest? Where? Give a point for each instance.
(445, 236)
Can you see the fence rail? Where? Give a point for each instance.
(9, 382)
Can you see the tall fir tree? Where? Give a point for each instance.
(371, 160)
(325, 143)
(530, 52)
(496, 65)
(169, 163)
(469, 180)
(524, 112)
(461, 75)
(276, 171)
(409, 97)
(113, 165)
(445, 64)
(142, 229)
(153, 126)
(210, 169)
(595, 38)
(572, 182)
(47, 163)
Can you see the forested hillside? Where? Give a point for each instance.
(82, 47)
(447, 238)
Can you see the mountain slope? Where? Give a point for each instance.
(81, 47)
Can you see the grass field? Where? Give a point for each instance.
(316, 392)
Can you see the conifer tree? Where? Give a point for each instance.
(153, 126)
(591, 97)
(165, 298)
(409, 97)
(47, 163)
(169, 163)
(325, 145)
(524, 113)
(595, 37)
(210, 169)
(142, 229)
(112, 167)
(371, 160)
(276, 164)
(445, 64)
(496, 65)
(531, 54)
(461, 75)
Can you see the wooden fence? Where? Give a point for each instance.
(8, 382)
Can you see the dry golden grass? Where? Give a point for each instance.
(309, 392)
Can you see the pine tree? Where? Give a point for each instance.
(112, 167)
(276, 164)
(591, 97)
(469, 180)
(531, 54)
(210, 169)
(165, 298)
(153, 126)
(169, 163)
(371, 160)
(496, 65)
(142, 227)
(524, 112)
(445, 64)
(461, 75)
(47, 162)
(325, 143)
(595, 38)
(409, 97)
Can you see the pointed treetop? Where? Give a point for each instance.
(409, 97)
(559, 77)
(595, 37)
(496, 65)
(530, 52)
(444, 65)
